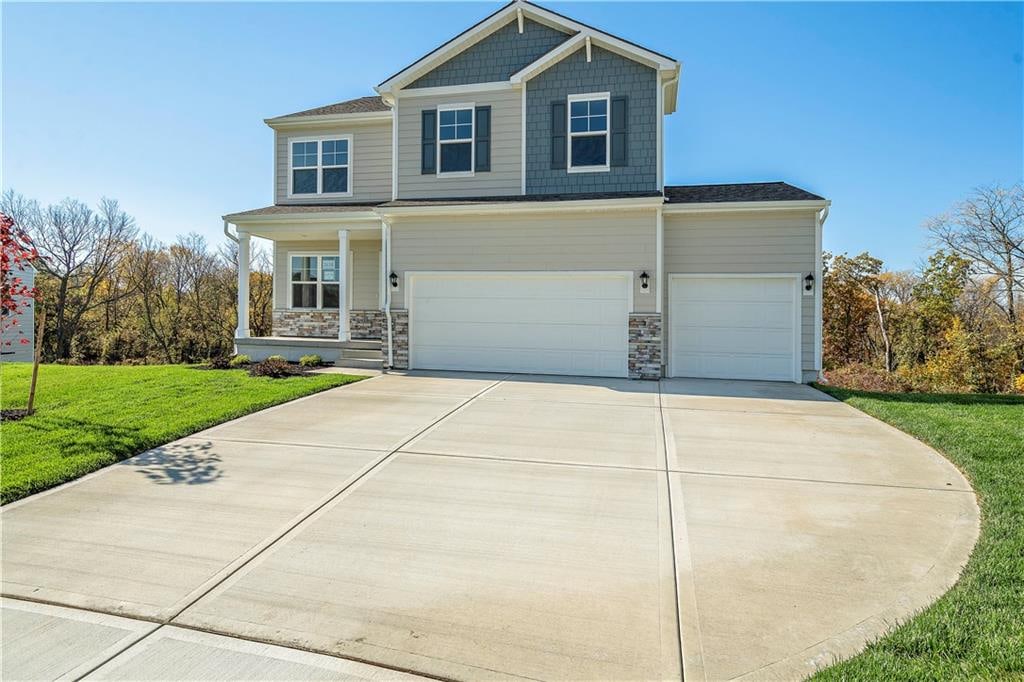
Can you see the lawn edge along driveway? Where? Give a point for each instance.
(88, 417)
(975, 629)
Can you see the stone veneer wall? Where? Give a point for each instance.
(313, 323)
(366, 324)
(400, 339)
(645, 346)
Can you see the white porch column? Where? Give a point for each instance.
(242, 331)
(343, 328)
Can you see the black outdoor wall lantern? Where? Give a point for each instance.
(645, 280)
(394, 279)
(809, 282)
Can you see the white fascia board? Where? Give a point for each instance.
(549, 59)
(604, 39)
(511, 208)
(326, 217)
(291, 122)
(455, 90)
(728, 207)
(449, 49)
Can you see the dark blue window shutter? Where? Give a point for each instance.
(428, 142)
(620, 131)
(483, 138)
(558, 133)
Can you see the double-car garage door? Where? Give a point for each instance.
(549, 323)
(720, 326)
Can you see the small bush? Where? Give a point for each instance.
(219, 362)
(311, 361)
(1018, 384)
(860, 377)
(281, 358)
(239, 361)
(273, 368)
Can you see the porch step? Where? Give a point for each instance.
(362, 344)
(360, 363)
(361, 354)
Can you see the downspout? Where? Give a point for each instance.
(227, 232)
(820, 219)
(385, 235)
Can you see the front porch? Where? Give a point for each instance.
(363, 354)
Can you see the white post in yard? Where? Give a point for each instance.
(243, 286)
(343, 328)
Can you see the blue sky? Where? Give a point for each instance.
(893, 111)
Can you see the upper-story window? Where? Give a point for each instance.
(320, 166)
(588, 132)
(455, 139)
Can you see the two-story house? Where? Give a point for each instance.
(500, 205)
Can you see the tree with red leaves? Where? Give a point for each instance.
(16, 254)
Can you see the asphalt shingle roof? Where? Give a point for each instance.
(282, 209)
(748, 191)
(359, 105)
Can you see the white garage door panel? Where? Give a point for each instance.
(551, 323)
(733, 327)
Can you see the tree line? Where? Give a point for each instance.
(113, 294)
(956, 324)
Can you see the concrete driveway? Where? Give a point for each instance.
(484, 527)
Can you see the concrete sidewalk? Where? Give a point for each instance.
(476, 526)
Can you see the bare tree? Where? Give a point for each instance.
(988, 230)
(80, 249)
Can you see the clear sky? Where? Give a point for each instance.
(893, 111)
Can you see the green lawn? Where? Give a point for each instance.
(976, 630)
(89, 417)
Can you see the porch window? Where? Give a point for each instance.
(588, 132)
(320, 167)
(315, 282)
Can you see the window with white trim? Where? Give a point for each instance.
(314, 281)
(320, 167)
(588, 132)
(455, 139)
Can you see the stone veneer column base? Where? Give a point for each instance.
(399, 339)
(366, 324)
(645, 346)
(312, 323)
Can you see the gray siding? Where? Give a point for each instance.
(364, 272)
(496, 57)
(11, 347)
(370, 161)
(744, 243)
(504, 178)
(606, 72)
(619, 241)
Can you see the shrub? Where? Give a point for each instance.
(219, 362)
(278, 357)
(239, 361)
(861, 377)
(1018, 384)
(311, 360)
(273, 368)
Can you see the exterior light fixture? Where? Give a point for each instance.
(645, 280)
(394, 280)
(809, 282)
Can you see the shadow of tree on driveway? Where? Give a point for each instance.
(179, 463)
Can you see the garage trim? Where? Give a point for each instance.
(411, 277)
(795, 277)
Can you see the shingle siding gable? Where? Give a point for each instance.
(606, 72)
(496, 57)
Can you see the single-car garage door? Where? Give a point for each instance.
(547, 323)
(734, 327)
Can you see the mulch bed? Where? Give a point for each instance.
(14, 415)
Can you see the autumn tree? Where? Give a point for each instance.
(17, 252)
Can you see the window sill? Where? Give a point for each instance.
(588, 169)
(314, 195)
(457, 174)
